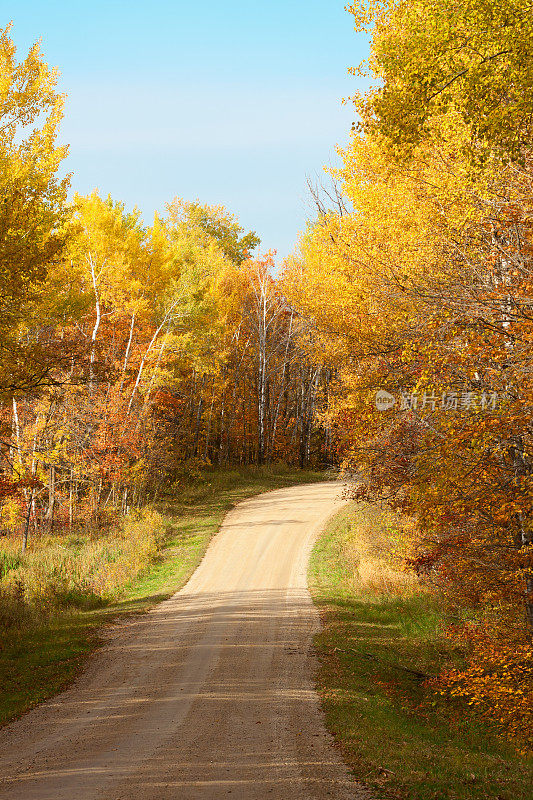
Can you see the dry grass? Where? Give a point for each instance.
(95, 577)
(85, 570)
(374, 551)
(382, 638)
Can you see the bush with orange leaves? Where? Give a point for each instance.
(498, 680)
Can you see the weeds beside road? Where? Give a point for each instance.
(382, 638)
(55, 598)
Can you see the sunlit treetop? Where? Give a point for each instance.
(218, 224)
(33, 207)
(432, 57)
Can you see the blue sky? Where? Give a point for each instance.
(232, 103)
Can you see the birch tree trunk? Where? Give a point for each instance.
(127, 354)
(27, 524)
(96, 324)
(51, 498)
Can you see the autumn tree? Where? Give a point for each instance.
(32, 214)
(468, 59)
(216, 224)
(423, 290)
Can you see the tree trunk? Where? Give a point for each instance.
(127, 354)
(96, 325)
(71, 501)
(27, 524)
(51, 499)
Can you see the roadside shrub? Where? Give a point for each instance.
(375, 549)
(83, 571)
(497, 679)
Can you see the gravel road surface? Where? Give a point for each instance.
(208, 696)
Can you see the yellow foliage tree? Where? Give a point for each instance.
(32, 211)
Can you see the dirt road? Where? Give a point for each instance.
(209, 695)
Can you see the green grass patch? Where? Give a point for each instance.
(381, 638)
(43, 652)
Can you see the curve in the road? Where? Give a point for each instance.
(208, 696)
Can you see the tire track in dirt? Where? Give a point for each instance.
(210, 695)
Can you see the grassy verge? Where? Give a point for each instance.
(381, 638)
(43, 654)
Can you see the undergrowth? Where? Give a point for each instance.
(382, 642)
(56, 598)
